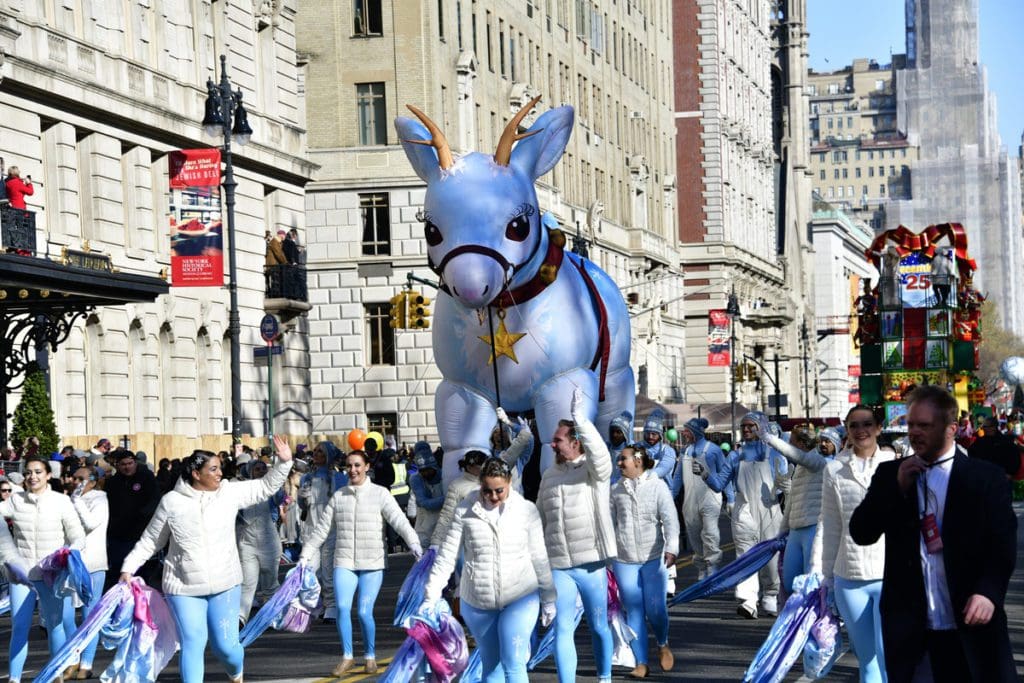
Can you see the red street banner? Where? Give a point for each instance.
(718, 338)
(197, 245)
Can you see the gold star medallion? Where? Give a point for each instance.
(503, 343)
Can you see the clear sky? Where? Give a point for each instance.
(841, 31)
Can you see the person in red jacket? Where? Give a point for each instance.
(18, 189)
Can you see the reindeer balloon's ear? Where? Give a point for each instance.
(424, 145)
(537, 154)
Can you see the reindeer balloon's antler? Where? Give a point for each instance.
(437, 139)
(503, 154)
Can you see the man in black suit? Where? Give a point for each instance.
(942, 598)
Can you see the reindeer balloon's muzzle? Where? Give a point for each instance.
(475, 275)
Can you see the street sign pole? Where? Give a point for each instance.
(270, 391)
(270, 329)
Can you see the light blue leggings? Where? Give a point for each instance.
(23, 606)
(858, 604)
(503, 636)
(797, 558)
(591, 582)
(89, 653)
(208, 617)
(642, 590)
(346, 582)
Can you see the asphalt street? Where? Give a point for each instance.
(710, 642)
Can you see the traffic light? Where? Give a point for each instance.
(398, 320)
(419, 311)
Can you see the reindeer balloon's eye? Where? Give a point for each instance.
(518, 229)
(433, 235)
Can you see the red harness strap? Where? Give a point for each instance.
(604, 342)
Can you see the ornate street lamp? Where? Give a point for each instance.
(226, 116)
(732, 308)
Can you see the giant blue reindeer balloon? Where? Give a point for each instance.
(559, 322)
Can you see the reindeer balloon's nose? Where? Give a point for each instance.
(474, 279)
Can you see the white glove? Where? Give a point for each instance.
(699, 469)
(547, 614)
(503, 416)
(306, 490)
(729, 507)
(417, 551)
(79, 490)
(576, 406)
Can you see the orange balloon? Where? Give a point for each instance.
(356, 439)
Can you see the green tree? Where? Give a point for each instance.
(33, 416)
(997, 344)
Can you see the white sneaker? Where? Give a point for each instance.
(770, 606)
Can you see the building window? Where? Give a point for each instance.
(822, 174)
(903, 153)
(881, 171)
(871, 171)
(840, 192)
(881, 190)
(440, 19)
(849, 191)
(849, 122)
(380, 337)
(366, 18)
(864, 190)
(490, 52)
(385, 423)
(372, 108)
(856, 172)
(845, 173)
(376, 218)
(835, 174)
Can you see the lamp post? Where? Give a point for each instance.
(226, 116)
(732, 309)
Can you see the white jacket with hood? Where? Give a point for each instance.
(645, 519)
(43, 523)
(504, 554)
(573, 504)
(198, 528)
(356, 514)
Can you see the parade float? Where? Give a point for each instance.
(922, 323)
(520, 322)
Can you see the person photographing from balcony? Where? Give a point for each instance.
(18, 189)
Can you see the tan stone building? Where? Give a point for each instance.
(860, 160)
(744, 197)
(470, 65)
(93, 95)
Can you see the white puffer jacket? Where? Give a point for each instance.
(573, 502)
(94, 512)
(646, 521)
(357, 515)
(803, 501)
(42, 523)
(198, 528)
(843, 488)
(504, 555)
